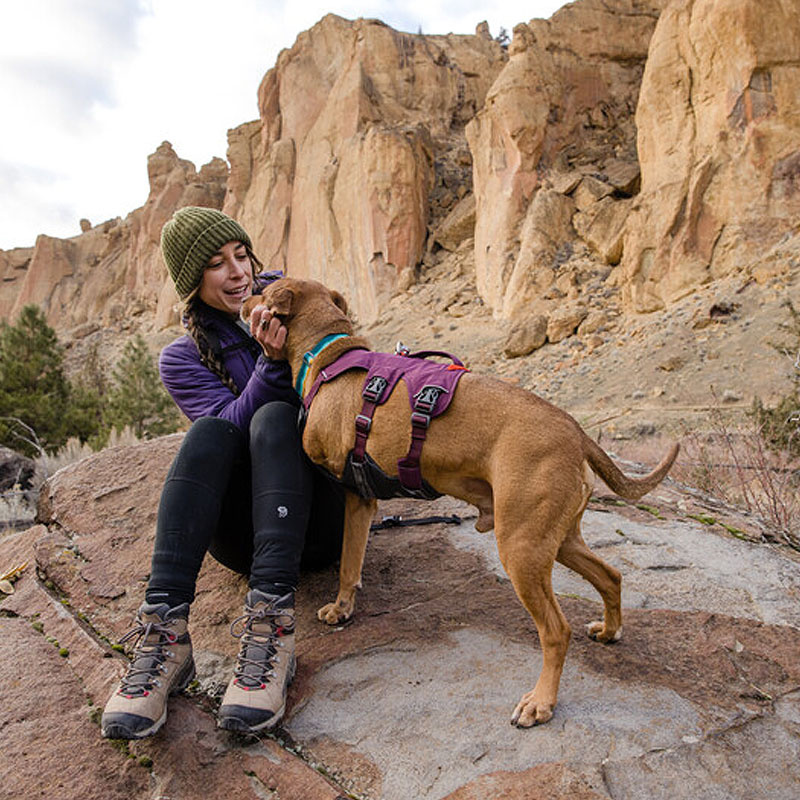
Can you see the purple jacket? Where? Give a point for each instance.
(198, 392)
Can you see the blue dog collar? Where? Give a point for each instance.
(308, 360)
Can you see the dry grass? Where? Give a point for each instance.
(74, 450)
(732, 462)
(738, 466)
(16, 509)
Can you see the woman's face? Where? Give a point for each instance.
(228, 279)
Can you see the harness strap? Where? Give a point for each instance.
(373, 391)
(352, 359)
(408, 467)
(363, 427)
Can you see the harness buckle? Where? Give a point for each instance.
(420, 420)
(375, 388)
(363, 424)
(425, 399)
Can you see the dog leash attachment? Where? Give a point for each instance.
(396, 521)
(401, 350)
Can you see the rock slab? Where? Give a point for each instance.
(414, 696)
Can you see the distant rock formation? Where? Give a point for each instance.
(113, 270)
(13, 267)
(555, 148)
(613, 149)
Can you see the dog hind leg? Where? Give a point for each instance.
(575, 554)
(529, 566)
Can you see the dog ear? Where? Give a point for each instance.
(339, 301)
(282, 301)
(248, 306)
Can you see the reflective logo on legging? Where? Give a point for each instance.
(283, 512)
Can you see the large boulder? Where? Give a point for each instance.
(438, 652)
(15, 470)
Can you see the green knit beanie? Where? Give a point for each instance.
(189, 240)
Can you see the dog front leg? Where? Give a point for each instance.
(358, 514)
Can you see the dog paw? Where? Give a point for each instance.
(530, 712)
(333, 614)
(597, 631)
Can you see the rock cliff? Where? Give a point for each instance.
(718, 125)
(555, 151)
(359, 151)
(633, 149)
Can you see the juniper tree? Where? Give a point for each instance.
(33, 387)
(136, 397)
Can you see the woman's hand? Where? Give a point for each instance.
(269, 332)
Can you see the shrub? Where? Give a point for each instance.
(780, 425)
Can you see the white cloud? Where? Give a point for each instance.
(89, 88)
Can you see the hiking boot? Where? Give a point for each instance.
(162, 665)
(256, 696)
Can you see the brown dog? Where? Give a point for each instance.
(523, 463)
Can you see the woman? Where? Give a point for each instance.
(240, 488)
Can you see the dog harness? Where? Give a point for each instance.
(431, 386)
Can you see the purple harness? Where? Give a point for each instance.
(430, 389)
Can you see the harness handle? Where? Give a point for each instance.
(442, 353)
(401, 350)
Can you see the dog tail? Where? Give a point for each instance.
(621, 484)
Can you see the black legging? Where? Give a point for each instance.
(258, 506)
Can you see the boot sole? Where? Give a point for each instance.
(232, 723)
(118, 729)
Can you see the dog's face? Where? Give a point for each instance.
(290, 299)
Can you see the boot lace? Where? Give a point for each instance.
(148, 657)
(258, 650)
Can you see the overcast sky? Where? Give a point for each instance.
(89, 88)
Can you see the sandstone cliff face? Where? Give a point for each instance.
(554, 141)
(13, 265)
(360, 146)
(114, 270)
(719, 145)
(615, 152)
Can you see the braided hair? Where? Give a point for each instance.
(191, 319)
